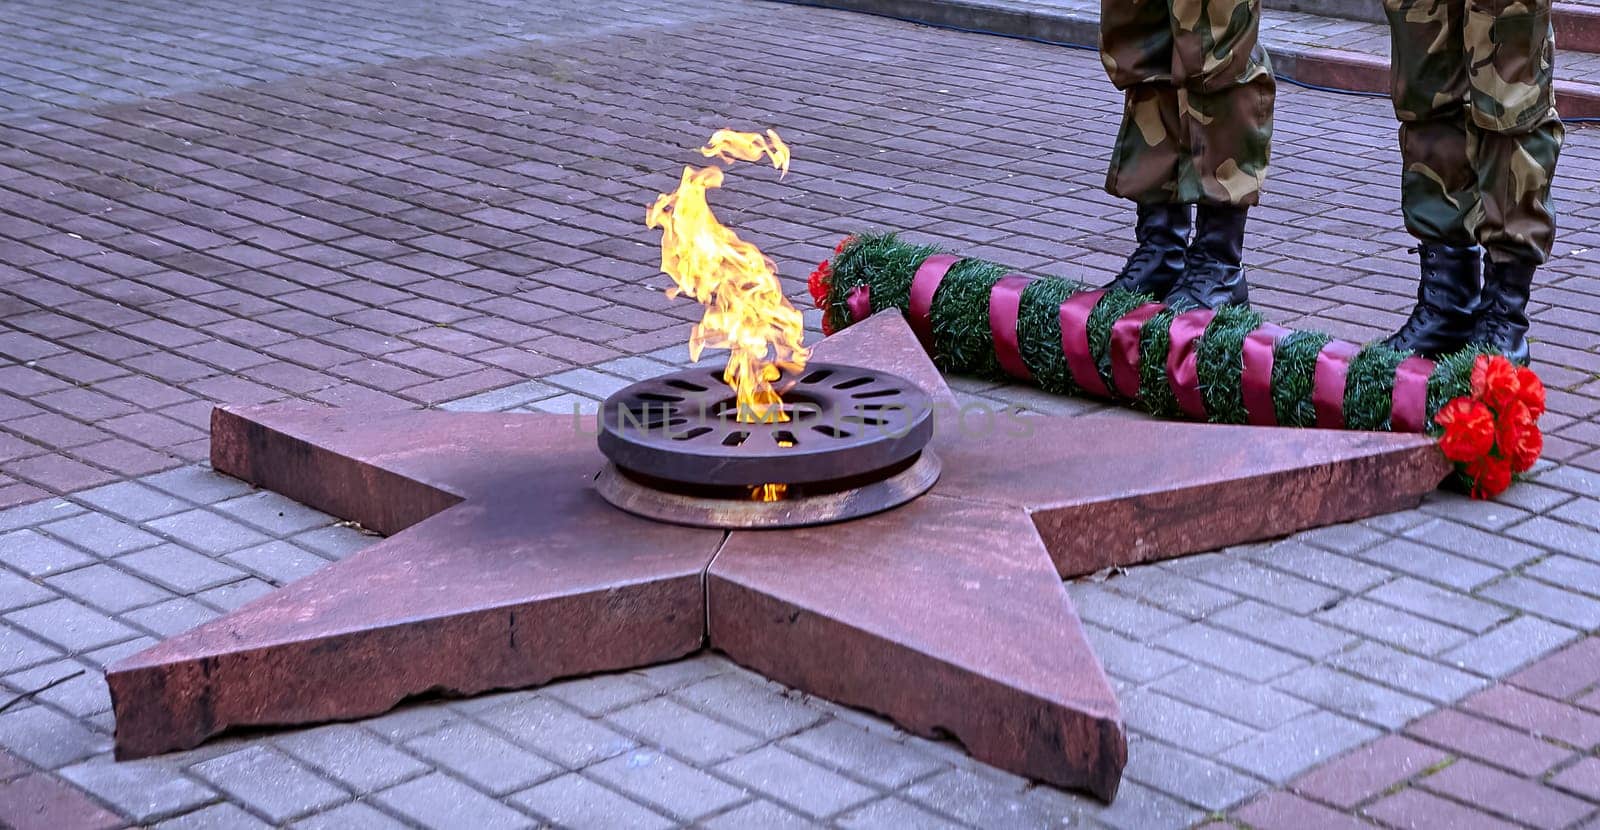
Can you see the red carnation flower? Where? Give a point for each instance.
(1490, 475)
(843, 243)
(1495, 381)
(1469, 430)
(820, 283)
(1530, 391)
(1518, 437)
(827, 326)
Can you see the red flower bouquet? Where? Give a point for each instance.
(1493, 433)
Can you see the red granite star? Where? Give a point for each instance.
(503, 569)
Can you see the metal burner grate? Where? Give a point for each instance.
(843, 422)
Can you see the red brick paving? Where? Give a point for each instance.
(1520, 753)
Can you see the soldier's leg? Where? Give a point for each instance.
(1438, 189)
(1225, 101)
(1136, 48)
(1514, 140)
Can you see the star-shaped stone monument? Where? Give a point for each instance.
(503, 569)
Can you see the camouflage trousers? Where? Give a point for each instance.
(1197, 124)
(1479, 133)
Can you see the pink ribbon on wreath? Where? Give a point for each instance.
(859, 303)
(1125, 348)
(1005, 306)
(1256, 378)
(1183, 358)
(924, 284)
(1328, 381)
(1409, 410)
(1075, 342)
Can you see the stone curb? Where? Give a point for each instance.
(1332, 68)
(1577, 25)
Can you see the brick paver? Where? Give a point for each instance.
(440, 204)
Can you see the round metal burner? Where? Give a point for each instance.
(852, 444)
(843, 421)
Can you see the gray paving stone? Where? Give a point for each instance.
(595, 696)
(556, 732)
(206, 531)
(1559, 536)
(101, 534)
(1252, 704)
(1429, 564)
(979, 801)
(589, 382)
(1442, 604)
(1415, 675)
(231, 595)
(334, 542)
(1123, 658)
(36, 554)
(672, 726)
(864, 754)
(751, 702)
(1107, 609)
(667, 785)
(635, 368)
(566, 404)
(1190, 778)
(353, 816)
(796, 782)
(197, 484)
(1139, 807)
(1487, 515)
(440, 802)
(179, 569)
(1354, 697)
(1391, 625)
(1568, 572)
(67, 685)
(1535, 597)
(1349, 537)
(412, 720)
(47, 738)
(1299, 745)
(1474, 543)
(482, 758)
(274, 514)
(1288, 632)
(352, 756)
(132, 500)
(1171, 592)
(269, 783)
(174, 616)
(70, 625)
(1228, 651)
(1240, 576)
(1181, 724)
(105, 587)
(215, 817)
(143, 791)
(36, 513)
(890, 814)
(17, 592)
(1326, 567)
(576, 802)
(503, 399)
(1509, 647)
(278, 562)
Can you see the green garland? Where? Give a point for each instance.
(961, 340)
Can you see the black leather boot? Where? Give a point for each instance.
(1212, 273)
(1501, 315)
(1442, 320)
(1163, 234)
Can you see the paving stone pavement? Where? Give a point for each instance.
(357, 204)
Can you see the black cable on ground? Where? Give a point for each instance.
(951, 27)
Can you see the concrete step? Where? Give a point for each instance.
(1318, 50)
(1577, 23)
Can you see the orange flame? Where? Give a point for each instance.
(746, 311)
